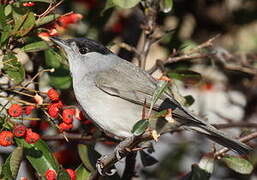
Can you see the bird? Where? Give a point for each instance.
(113, 91)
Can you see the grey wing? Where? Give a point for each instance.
(129, 82)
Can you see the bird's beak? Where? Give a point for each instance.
(60, 42)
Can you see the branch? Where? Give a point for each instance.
(235, 125)
(187, 56)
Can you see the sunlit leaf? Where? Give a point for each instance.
(13, 68)
(238, 164)
(35, 46)
(27, 25)
(82, 173)
(15, 160)
(140, 127)
(187, 76)
(46, 19)
(126, 3)
(12, 164)
(8, 10)
(52, 58)
(166, 5)
(207, 163)
(39, 156)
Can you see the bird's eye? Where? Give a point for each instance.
(83, 50)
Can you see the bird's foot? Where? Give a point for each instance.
(100, 166)
(121, 149)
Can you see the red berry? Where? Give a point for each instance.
(64, 127)
(19, 130)
(53, 94)
(31, 137)
(15, 110)
(28, 4)
(6, 138)
(24, 178)
(58, 104)
(29, 109)
(53, 111)
(72, 174)
(67, 115)
(69, 19)
(51, 174)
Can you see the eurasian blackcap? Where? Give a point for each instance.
(112, 91)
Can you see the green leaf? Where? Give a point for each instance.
(45, 1)
(27, 24)
(12, 164)
(46, 19)
(35, 46)
(5, 34)
(197, 173)
(8, 10)
(109, 4)
(140, 127)
(187, 76)
(13, 68)
(88, 156)
(147, 159)
(82, 173)
(238, 164)
(126, 3)
(207, 163)
(189, 100)
(39, 156)
(63, 175)
(166, 5)
(15, 160)
(60, 78)
(162, 85)
(2, 16)
(52, 58)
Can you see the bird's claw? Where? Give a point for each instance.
(100, 167)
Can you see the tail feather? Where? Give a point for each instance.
(222, 139)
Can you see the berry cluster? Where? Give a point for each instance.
(54, 111)
(60, 25)
(20, 130)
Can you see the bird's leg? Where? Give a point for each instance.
(123, 147)
(119, 152)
